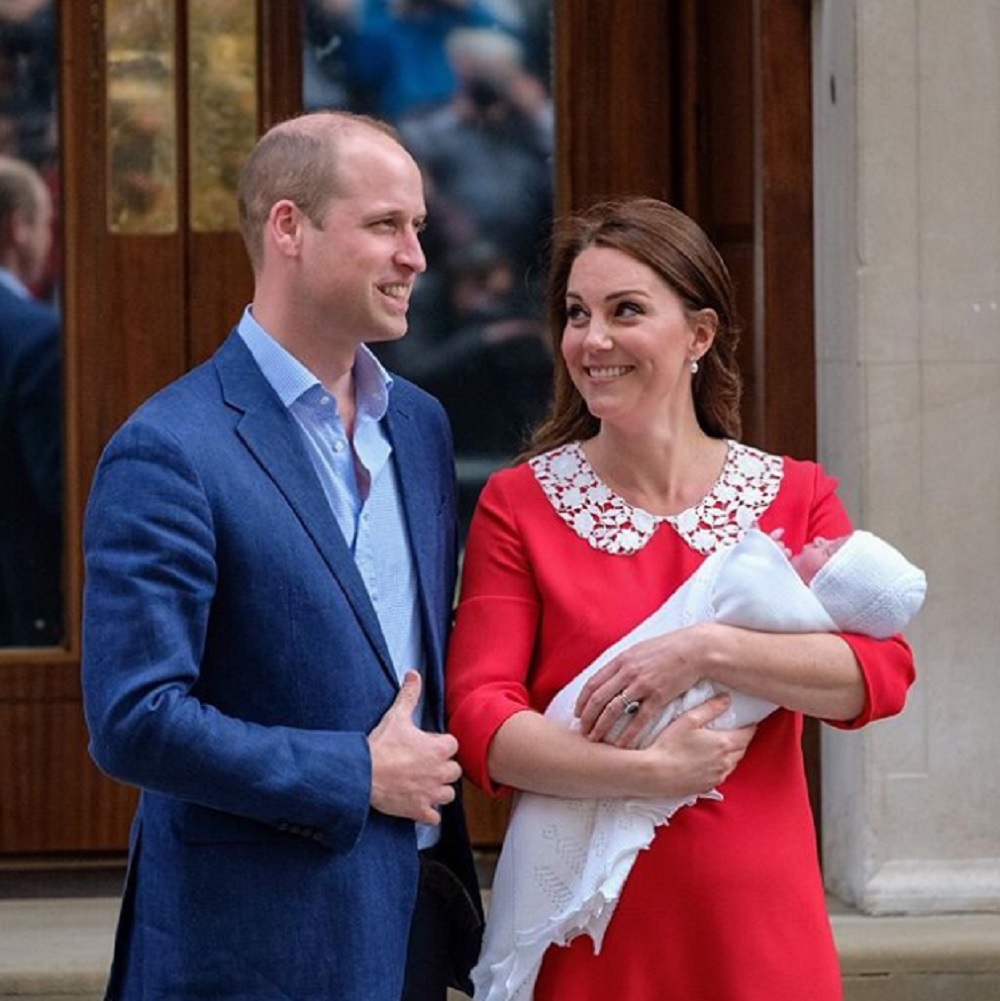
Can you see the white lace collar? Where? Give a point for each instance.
(745, 489)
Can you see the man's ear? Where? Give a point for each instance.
(18, 229)
(284, 227)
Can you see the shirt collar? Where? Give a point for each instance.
(10, 281)
(291, 379)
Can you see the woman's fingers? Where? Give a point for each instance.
(617, 713)
(637, 684)
(709, 710)
(590, 702)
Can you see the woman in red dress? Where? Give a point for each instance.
(636, 476)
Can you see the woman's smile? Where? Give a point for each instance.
(603, 372)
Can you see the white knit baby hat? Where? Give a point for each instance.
(868, 586)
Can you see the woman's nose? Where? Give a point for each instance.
(598, 336)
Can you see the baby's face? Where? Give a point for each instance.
(814, 555)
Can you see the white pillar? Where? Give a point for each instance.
(907, 159)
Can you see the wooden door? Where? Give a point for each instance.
(154, 278)
(706, 104)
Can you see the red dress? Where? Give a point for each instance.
(728, 903)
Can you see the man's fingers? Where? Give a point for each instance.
(449, 746)
(414, 773)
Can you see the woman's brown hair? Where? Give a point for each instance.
(675, 247)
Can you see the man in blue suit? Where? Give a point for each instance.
(270, 551)
(30, 418)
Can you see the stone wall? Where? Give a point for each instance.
(907, 162)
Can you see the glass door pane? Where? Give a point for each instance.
(31, 387)
(468, 87)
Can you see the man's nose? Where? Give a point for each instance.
(410, 252)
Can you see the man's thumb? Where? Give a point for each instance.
(409, 693)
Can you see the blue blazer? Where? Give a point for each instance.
(232, 665)
(30, 472)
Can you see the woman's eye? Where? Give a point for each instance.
(575, 313)
(627, 309)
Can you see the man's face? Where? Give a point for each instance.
(33, 236)
(362, 264)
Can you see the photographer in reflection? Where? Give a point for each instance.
(30, 417)
(487, 154)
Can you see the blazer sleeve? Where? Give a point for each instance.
(150, 563)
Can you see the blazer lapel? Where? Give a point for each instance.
(270, 433)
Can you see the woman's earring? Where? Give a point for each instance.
(694, 366)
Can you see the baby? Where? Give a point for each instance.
(856, 583)
(564, 862)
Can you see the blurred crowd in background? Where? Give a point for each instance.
(29, 87)
(466, 82)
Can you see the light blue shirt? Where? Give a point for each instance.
(10, 281)
(372, 521)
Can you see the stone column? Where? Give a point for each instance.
(907, 119)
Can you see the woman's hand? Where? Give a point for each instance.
(690, 758)
(639, 683)
(537, 755)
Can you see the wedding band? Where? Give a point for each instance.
(631, 706)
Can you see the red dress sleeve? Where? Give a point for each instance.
(886, 665)
(494, 635)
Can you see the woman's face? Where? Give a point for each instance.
(628, 342)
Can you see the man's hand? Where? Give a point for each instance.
(413, 772)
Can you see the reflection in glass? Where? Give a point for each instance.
(31, 600)
(468, 88)
(222, 106)
(142, 116)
